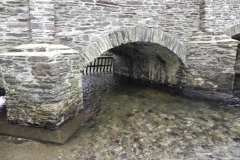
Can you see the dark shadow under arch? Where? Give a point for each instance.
(2, 92)
(149, 62)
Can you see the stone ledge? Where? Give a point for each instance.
(225, 41)
(32, 54)
(47, 50)
(42, 45)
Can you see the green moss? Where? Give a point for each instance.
(74, 86)
(74, 81)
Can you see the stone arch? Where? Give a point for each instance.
(234, 30)
(234, 33)
(133, 34)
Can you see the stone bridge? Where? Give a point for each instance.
(45, 44)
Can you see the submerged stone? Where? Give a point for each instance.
(236, 140)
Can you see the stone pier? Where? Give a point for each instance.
(43, 84)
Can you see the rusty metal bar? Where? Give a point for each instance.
(100, 64)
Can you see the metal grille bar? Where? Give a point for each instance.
(100, 64)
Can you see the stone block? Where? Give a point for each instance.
(42, 66)
(18, 24)
(37, 26)
(134, 2)
(23, 17)
(49, 26)
(22, 34)
(2, 9)
(18, 10)
(87, 1)
(38, 59)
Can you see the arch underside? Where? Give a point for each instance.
(234, 32)
(130, 35)
(155, 55)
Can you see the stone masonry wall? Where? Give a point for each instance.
(25, 21)
(79, 22)
(42, 20)
(14, 23)
(211, 69)
(219, 15)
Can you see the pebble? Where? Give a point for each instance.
(216, 139)
(237, 124)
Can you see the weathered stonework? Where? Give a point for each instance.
(211, 68)
(14, 23)
(43, 84)
(192, 38)
(42, 21)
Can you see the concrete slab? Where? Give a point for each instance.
(59, 136)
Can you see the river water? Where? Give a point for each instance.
(140, 121)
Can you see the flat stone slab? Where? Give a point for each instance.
(59, 136)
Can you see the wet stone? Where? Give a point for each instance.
(216, 139)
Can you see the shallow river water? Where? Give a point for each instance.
(140, 121)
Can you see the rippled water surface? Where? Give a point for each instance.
(139, 121)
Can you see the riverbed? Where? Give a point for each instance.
(140, 121)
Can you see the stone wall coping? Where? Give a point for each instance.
(46, 54)
(233, 30)
(225, 41)
(47, 50)
(39, 45)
